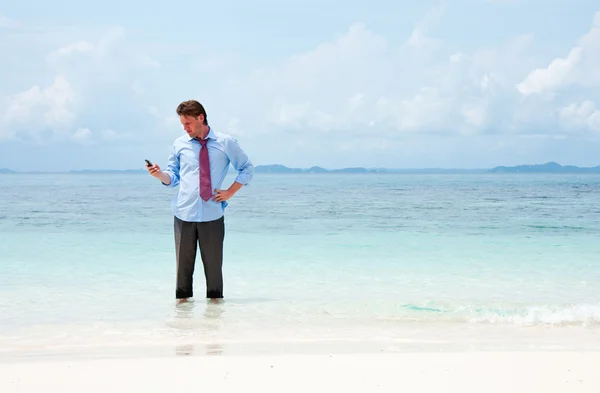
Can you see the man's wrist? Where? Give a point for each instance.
(234, 187)
(164, 177)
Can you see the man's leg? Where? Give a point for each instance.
(186, 237)
(210, 238)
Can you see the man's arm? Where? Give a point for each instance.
(164, 178)
(240, 161)
(170, 176)
(235, 187)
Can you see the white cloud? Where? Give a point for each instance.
(558, 74)
(427, 109)
(581, 67)
(419, 36)
(97, 50)
(83, 136)
(559, 100)
(98, 82)
(84, 47)
(39, 108)
(581, 116)
(86, 137)
(290, 114)
(364, 81)
(360, 82)
(474, 113)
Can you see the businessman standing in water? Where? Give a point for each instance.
(198, 164)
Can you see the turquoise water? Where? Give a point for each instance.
(482, 260)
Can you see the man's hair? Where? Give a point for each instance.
(191, 108)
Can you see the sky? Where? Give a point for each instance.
(397, 84)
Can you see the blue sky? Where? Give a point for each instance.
(468, 84)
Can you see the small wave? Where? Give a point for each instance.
(538, 197)
(552, 315)
(579, 315)
(560, 227)
(413, 307)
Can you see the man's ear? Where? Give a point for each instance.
(201, 118)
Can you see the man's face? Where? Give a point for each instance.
(192, 125)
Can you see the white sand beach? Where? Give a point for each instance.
(465, 372)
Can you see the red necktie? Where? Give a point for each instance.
(205, 184)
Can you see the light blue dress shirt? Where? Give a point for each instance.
(183, 168)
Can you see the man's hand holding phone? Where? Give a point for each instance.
(155, 171)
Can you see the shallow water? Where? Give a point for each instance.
(482, 260)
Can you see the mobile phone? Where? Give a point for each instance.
(148, 163)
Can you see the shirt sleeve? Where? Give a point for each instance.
(241, 162)
(172, 168)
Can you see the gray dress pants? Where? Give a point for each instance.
(208, 237)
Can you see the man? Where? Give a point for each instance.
(198, 164)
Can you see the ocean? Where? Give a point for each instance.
(313, 262)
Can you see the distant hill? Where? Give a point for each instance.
(549, 167)
(277, 168)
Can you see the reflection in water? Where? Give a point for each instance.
(184, 350)
(205, 328)
(214, 349)
(213, 320)
(188, 349)
(184, 316)
(212, 314)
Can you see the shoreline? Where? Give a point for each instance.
(190, 347)
(467, 372)
(214, 335)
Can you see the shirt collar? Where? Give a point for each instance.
(210, 135)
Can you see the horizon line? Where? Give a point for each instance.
(307, 168)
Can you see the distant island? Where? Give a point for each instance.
(549, 167)
(315, 169)
(277, 168)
